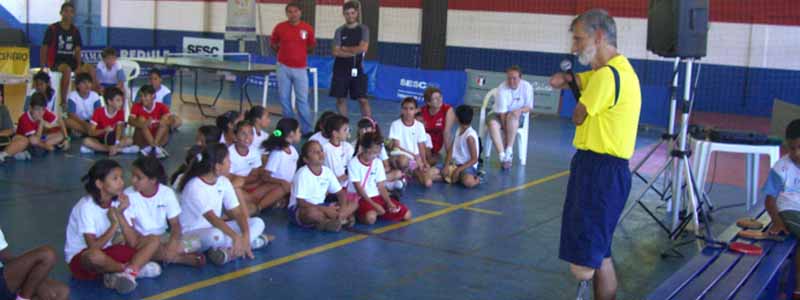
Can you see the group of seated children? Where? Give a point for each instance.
(100, 121)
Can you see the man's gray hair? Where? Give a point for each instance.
(595, 19)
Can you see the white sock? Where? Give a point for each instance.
(509, 150)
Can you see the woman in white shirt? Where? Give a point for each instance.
(205, 191)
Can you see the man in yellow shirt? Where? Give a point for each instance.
(607, 117)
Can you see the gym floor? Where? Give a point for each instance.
(498, 241)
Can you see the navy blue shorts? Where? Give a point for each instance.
(598, 188)
(5, 294)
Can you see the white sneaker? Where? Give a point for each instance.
(501, 157)
(24, 155)
(149, 270)
(146, 150)
(161, 153)
(132, 149)
(122, 282)
(260, 242)
(86, 150)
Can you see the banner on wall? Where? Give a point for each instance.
(14, 60)
(92, 55)
(396, 83)
(545, 97)
(241, 21)
(193, 45)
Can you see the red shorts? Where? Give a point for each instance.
(119, 253)
(364, 207)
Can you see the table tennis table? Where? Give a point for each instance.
(198, 63)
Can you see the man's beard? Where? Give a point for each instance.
(585, 57)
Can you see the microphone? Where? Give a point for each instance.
(566, 66)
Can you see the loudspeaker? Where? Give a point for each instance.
(678, 28)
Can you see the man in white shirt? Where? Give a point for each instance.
(514, 98)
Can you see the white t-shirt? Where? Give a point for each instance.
(337, 158)
(282, 165)
(200, 197)
(319, 138)
(259, 136)
(461, 153)
(106, 75)
(508, 99)
(789, 175)
(86, 218)
(83, 107)
(428, 141)
(312, 187)
(357, 171)
(241, 165)
(161, 93)
(408, 136)
(149, 215)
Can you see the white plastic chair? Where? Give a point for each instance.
(522, 132)
(132, 70)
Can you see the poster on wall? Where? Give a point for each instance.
(545, 97)
(241, 21)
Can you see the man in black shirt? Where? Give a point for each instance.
(61, 48)
(350, 44)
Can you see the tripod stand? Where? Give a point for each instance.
(682, 178)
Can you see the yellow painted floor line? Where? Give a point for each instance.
(286, 259)
(445, 204)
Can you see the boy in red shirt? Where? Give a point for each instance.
(107, 132)
(153, 123)
(38, 128)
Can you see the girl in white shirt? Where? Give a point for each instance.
(281, 164)
(338, 151)
(247, 174)
(92, 224)
(461, 163)
(394, 177)
(367, 178)
(259, 117)
(310, 186)
(154, 209)
(408, 143)
(205, 191)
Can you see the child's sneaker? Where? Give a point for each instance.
(219, 256)
(122, 282)
(24, 155)
(132, 149)
(86, 150)
(149, 270)
(146, 150)
(161, 153)
(260, 242)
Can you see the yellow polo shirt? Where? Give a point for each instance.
(609, 128)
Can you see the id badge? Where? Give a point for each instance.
(354, 72)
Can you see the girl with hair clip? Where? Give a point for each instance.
(312, 183)
(281, 163)
(225, 123)
(367, 178)
(259, 117)
(394, 177)
(92, 224)
(205, 192)
(153, 210)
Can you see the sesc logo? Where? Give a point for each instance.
(417, 84)
(202, 49)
